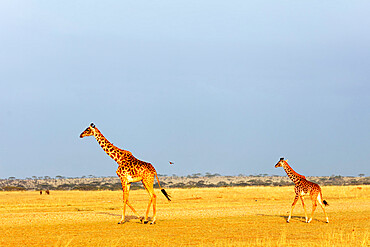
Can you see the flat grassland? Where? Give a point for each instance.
(228, 216)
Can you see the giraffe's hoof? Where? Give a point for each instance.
(121, 222)
(143, 220)
(287, 221)
(152, 223)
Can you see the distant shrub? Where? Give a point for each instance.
(355, 182)
(85, 187)
(201, 184)
(65, 187)
(222, 184)
(256, 182)
(136, 186)
(162, 185)
(45, 187)
(178, 185)
(241, 184)
(13, 188)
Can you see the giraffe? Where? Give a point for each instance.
(303, 187)
(130, 170)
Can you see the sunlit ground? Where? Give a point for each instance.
(237, 216)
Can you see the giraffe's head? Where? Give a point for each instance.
(280, 163)
(89, 131)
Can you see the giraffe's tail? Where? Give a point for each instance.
(323, 201)
(163, 191)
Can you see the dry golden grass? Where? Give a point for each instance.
(248, 216)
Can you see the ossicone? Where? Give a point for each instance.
(92, 125)
(281, 159)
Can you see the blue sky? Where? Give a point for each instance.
(224, 87)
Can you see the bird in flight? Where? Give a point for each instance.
(171, 163)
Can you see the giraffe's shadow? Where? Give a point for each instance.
(128, 218)
(285, 217)
(134, 219)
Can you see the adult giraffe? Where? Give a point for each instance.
(130, 170)
(303, 187)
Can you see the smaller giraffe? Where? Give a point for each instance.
(303, 187)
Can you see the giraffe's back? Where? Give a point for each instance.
(134, 169)
(305, 187)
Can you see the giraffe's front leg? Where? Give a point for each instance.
(293, 204)
(122, 221)
(134, 211)
(126, 189)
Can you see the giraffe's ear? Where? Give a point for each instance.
(286, 160)
(92, 125)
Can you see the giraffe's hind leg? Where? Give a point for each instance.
(148, 184)
(314, 205)
(293, 205)
(319, 200)
(304, 207)
(153, 199)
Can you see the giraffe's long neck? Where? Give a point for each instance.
(295, 177)
(113, 152)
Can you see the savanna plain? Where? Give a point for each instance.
(227, 216)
